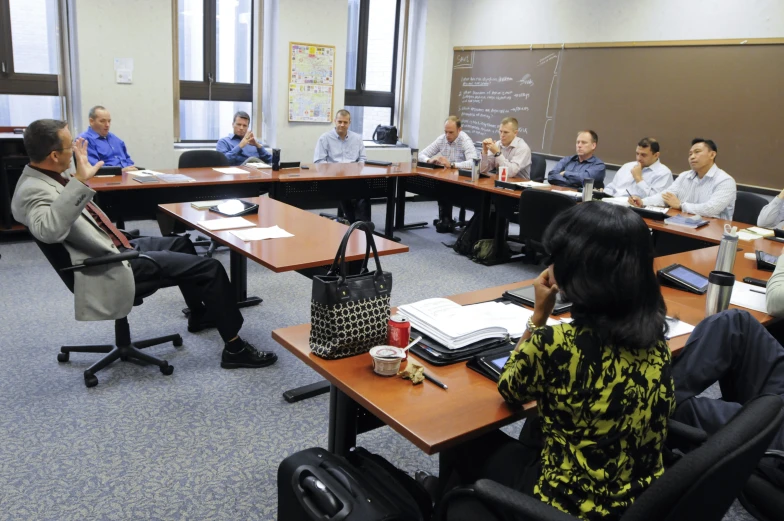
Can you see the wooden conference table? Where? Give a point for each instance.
(314, 244)
(122, 197)
(434, 419)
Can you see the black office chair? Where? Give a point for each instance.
(700, 486)
(538, 167)
(203, 159)
(761, 497)
(123, 347)
(537, 210)
(748, 207)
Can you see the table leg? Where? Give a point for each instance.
(342, 422)
(306, 391)
(389, 221)
(238, 266)
(400, 208)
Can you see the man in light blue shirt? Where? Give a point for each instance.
(340, 145)
(242, 145)
(102, 145)
(572, 171)
(644, 177)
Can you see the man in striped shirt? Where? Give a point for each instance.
(454, 149)
(772, 216)
(705, 190)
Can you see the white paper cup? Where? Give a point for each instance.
(386, 360)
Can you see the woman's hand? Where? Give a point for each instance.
(546, 292)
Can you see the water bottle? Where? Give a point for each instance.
(276, 159)
(414, 157)
(725, 259)
(587, 190)
(475, 170)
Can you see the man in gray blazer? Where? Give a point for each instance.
(60, 210)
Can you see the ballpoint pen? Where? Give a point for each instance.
(440, 384)
(752, 290)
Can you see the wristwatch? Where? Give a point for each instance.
(451, 165)
(530, 326)
(497, 154)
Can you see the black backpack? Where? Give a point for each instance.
(385, 135)
(471, 234)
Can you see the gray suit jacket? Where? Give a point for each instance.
(57, 214)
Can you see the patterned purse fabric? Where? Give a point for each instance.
(349, 313)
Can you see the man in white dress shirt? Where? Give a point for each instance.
(772, 216)
(705, 190)
(453, 149)
(644, 177)
(510, 151)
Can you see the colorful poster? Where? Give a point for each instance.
(311, 103)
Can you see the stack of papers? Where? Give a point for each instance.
(259, 234)
(677, 327)
(748, 296)
(688, 222)
(258, 165)
(226, 224)
(455, 326)
(754, 233)
(205, 205)
(231, 170)
(531, 184)
(624, 201)
(173, 178)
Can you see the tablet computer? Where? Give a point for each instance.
(681, 277)
(464, 172)
(235, 207)
(377, 163)
(494, 364)
(109, 171)
(527, 296)
(766, 261)
(424, 164)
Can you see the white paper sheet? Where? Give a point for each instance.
(258, 165)
(231, 170)
(259, 234)
(678, 328)
(226, 224)
(748, 296)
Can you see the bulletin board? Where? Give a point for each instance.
(311, 82)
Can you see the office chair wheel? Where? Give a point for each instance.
(177, 342)
(62, 357)
(90, 380)
(167, 369)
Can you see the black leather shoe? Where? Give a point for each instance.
(445, 226)
(249, 356)
(196, 324)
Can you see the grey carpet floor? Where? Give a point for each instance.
(204, 443)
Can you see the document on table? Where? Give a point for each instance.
(206, 205)
(173, 178)
(677, 327)
(259, 165)
(531, 184)
(259, 234)
(231, 170)
(226, 224)
(748, 296)
(143, 173)
(754, 233)
(624, 201)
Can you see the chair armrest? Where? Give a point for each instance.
(102, 260)
(680, 435)
(498, 497)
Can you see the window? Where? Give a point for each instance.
(371, 63)
(29, 61)
(215, 59)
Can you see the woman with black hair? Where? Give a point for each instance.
(602, 383)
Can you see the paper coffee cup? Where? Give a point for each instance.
(386, 359)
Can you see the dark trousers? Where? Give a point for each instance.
(444, 211)
(356, 209)
(734, 349)
(203, 281)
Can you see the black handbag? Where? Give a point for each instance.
(385, 135)
(349, 313)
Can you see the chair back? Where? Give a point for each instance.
(538, 208)
(748, 207)
(538, 166)
(59, 258)
(202, 159)
(703, 484)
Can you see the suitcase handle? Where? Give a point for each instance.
(326, 504)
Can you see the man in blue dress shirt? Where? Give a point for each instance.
(242, 145)
(340, 145)
(102, 145)
(572, 171)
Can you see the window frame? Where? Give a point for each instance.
(358, 96)
(19, 83)
(206, 90)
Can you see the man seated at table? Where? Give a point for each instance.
(643, 177)
(453, 149)
(705, 190)
(104, 146)
(340, 145)
(772, 216)
(241, 145)
(572, 171)
(510, 151)
(56, 209)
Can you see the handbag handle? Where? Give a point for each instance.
(375, 132)
(340, 257)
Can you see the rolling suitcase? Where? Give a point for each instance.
(315, 484)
